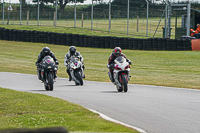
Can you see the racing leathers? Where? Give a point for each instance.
(39, 60)
(67, 60)
(110, 64)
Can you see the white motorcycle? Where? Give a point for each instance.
(76, 70)
(121, 74)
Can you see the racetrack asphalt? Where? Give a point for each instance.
(155, 109)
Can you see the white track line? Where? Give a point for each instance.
(116, 121)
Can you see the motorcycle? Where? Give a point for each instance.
(76, 70)
(48, 72)
(121, 74)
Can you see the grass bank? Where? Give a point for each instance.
(163, 68)
(28, 110)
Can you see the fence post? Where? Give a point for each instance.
(54, 18)
(3, 13)
(147, 18)
(188, 18)
(20, 12)
(109, 17)
(38, 14)
(56, 14)
(92, 15)
(82, 21)
(27, 17)
(75, 15)
(137, 23)
(128, 18)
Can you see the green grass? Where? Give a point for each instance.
(25, 110)
(28, 110)
(163, 68)
(100, 27)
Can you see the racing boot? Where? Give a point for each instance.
(39, 74)
(70, 77)
(83, 75)
(111, 77)
(55, 74)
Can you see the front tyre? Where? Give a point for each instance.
(79, 78)
(124, 84)
(50, 81)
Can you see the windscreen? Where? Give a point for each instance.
(48, 59)
(74, 59)
(120, 59)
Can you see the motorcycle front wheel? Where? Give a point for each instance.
(50, 81)
(124, 84)
(79, 78)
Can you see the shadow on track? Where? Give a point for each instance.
(109, 92)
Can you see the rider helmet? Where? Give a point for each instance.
(117, 51)
(45, 51)
(72, 50)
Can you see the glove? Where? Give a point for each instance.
(111, 66)
(130, 63)
(57, 63)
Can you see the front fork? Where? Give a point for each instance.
(118, 78)
(44, 75)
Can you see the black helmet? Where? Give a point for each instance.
(45, 51)
(117, 51)
(72, 50)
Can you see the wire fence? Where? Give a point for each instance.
(137, 20)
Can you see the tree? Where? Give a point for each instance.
(61, 3)
(135, 2)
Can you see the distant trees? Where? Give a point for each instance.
(61, 3)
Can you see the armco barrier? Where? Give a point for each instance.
(95, 41)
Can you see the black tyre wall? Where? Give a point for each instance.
(95, 41)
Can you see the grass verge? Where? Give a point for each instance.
(163, 68)
(28, 110)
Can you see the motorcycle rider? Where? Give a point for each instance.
(45, 52)
(72, 52)
(115, 53)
